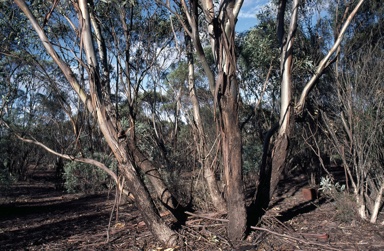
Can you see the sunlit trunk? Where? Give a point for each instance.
(281, 144)
(142, 198)
(95, 104)
(361, 209)
(377, 204)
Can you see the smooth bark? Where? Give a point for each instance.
(96, 105)
(281, 144)
(324, 63)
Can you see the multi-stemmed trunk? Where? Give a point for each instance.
(152, 173)
(225, 91)
(145, 205)
(281, 144)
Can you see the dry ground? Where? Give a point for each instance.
(34, 216)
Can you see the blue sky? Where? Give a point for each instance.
(247, 16)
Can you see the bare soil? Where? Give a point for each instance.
(35, 216)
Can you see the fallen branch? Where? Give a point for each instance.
(295, 238)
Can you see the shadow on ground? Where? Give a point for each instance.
(35, 221)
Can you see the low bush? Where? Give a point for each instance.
(85, 178)
(343, 201)
(6, 180)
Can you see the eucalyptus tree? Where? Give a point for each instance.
(220, 21)
(304, 51)
(261, 76)
(141, 47)
(288, 106)
(84, 56)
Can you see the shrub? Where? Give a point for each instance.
(6, 180)
(331, 189)
(345, 206)
(82, 177)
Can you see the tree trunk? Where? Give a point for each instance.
(216, 197)
(279, 155)
(225, 90)
(199, 135)
(377, 204)
(152, 173)
(96, 106)
(261, 202)
(144, 203)
(231, 149)
(280, 149)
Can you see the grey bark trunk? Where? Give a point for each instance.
(231, 149)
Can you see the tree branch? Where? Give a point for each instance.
(51, 51)
(65, 156)
(324, 62)
(320, 236)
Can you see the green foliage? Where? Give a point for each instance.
(6, 180)
(328, 187)
(252, 153)
(146, 140)
(258, 50)
(85, 178)
(259, 47)
(345, 206)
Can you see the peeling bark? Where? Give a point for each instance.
(231, 150)
(144, 203)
